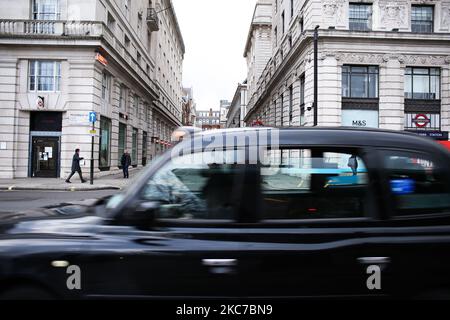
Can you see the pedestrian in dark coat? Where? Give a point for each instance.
(76, 166)
(125, 161)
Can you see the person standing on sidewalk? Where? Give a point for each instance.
(126, 163)
(76, 166)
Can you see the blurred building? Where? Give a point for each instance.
(189, 112)
(238, 107)
(208, 119)
(224, 107)
(62, 59)
(381, 63)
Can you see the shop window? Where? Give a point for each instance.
(360, 81)
(422, 83)
(122, 140)
(105, 143)
(134, 150)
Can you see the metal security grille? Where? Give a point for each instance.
(360, 17)
(422, 19)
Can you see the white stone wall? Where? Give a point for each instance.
(81, 82)
(259, 44)
(392, 52)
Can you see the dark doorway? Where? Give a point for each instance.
(45, 157)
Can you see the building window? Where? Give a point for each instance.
(360, 17)
(46, 10)
(291, 102)
(106, 86)
(111, 22)
(282, 109)
(292, 9)
(275, 36)
(123, 98)
(422, 83)
(127, 8)
(122, 140)
(144, 148)
(302, 100)
(146, 113)
(139, 24)
(138, 59)
(360, 82)
(282, 23)
(422, 19)
(45, 76)
(105, 143)
(136, 105)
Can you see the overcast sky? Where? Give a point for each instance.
(214, 32)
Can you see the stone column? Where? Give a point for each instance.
(329, 92)
(392, 96)
(445, 97)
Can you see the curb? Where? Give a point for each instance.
(73, 189)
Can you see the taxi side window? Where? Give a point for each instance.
(313, 184)
(419, 185)
(196, 187)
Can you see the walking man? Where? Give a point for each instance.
(76, 166)
(126, 163)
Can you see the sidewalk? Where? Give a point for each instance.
(112, 182)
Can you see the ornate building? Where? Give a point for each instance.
(208, 119)
(382, 63)
(61, 60)
(189, 108)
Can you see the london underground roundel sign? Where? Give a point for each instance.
(421, 121)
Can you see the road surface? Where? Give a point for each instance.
(15, 201)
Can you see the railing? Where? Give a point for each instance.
(51, 27)
(83, 28)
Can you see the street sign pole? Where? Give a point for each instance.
(92, 119)
(92, 155)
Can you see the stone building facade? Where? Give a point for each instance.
(208, 119)
(238, 107)
(189, 108)
(60, 60)
(382, 63)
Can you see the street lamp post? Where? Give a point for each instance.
(316, 72)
